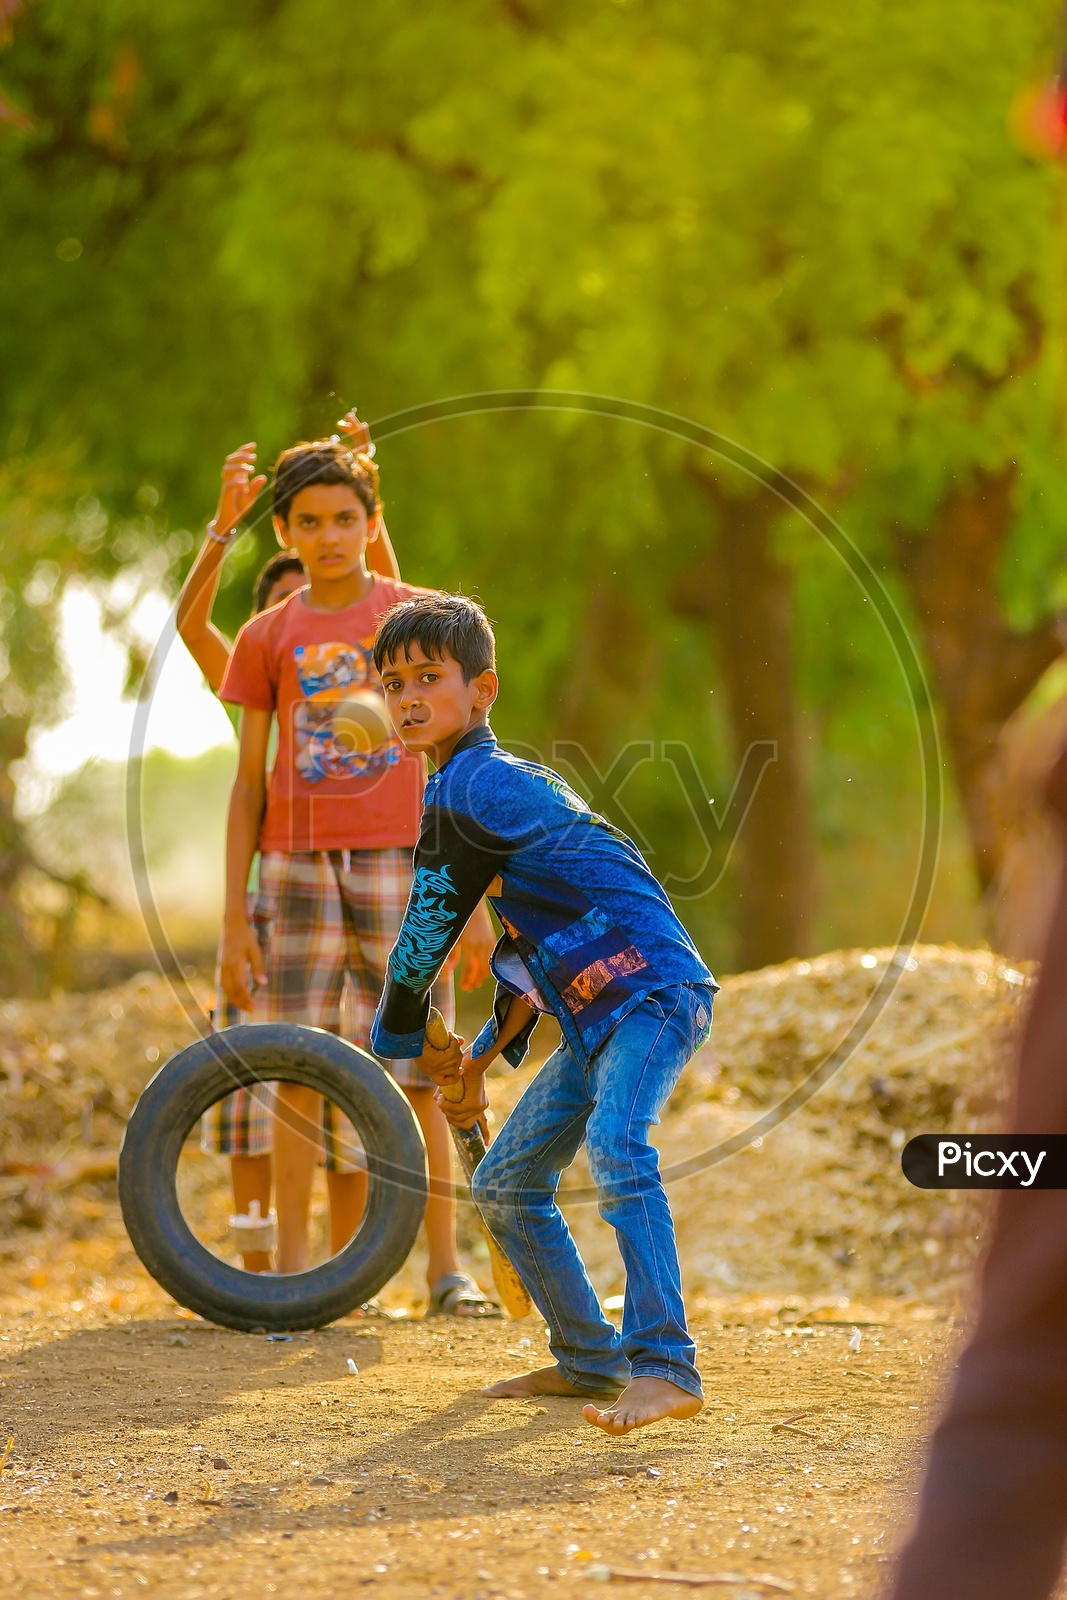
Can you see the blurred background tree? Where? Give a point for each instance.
(806, 228)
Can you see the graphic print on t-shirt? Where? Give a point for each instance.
(341, 728)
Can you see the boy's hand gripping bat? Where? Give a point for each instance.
(470, 1147)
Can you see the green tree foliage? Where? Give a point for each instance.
(810, 228)
(805, 226)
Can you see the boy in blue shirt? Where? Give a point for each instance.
(588, 935)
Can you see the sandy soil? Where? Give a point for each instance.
(153, 1453)
(156, 1454)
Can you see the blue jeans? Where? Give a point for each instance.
(611, 1104)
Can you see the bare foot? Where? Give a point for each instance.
(644, 1400)
(546, 1380)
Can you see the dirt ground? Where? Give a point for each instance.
(159, 1455)
(154, 1453)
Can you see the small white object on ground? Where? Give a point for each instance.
(856, 1340)
(353, 1369)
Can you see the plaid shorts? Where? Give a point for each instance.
(326, 922)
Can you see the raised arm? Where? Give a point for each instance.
(381, 557)
(209, 648)
(240, 952)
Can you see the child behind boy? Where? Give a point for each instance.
(335, 827)
(590, 936)
(241, 1126)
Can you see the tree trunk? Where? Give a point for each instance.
(612, 679)
(20, 967)
(739, 586)
(607, 702)
(983, 669)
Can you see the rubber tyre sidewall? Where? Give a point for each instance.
(169, 1108)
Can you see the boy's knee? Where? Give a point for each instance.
(622, 1166)
(494, 1186)
(483, 1185)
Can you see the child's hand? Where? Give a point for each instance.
(471, 1109)
(476, 942)
(356, 432)
(238, 491)
(443, 1066)
(239, 955)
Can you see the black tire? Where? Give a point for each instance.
(182, 1091)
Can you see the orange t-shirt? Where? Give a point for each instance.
(341, 779)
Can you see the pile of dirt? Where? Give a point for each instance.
(817, 1206)
(70, 1071)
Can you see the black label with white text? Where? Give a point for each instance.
(986, 1161)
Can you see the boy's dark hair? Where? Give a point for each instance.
(279, 564)
(441, 625)
(323, 461)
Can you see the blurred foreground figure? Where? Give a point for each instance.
(1031, 845)
(993, 1515)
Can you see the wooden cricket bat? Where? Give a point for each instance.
(470, 1147)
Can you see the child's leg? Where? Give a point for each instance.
(250, 1179)
(515, 1190)
(297, 1125)
(443, 1261)
(440, 1218)
(305, 954)
(631, 1078)
(240, 1126)
(347, 1193)
(348, 1190)
(375, 898)
(346, 1172)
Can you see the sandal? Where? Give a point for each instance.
(374, 1308)
(456, 1290)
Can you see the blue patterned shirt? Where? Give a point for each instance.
(588, 931)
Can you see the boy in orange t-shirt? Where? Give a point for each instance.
(335, 828)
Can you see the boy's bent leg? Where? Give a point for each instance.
(632, 1077)
(515, 1190)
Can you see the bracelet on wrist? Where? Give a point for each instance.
(219, 538)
